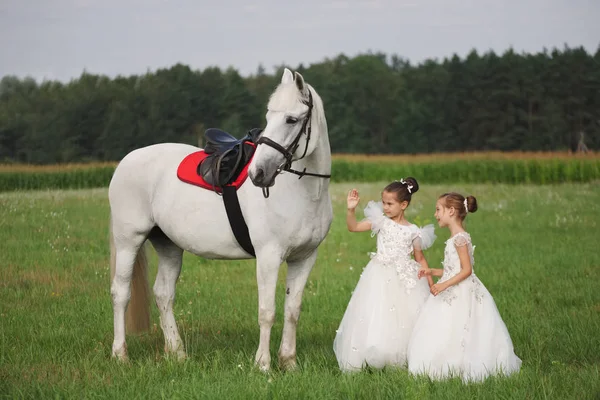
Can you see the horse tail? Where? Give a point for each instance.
(137, 316)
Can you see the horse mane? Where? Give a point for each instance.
(319, 111)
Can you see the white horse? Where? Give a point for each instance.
(148, 201)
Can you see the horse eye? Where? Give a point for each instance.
(291, 120)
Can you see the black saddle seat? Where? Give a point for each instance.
(228, 155)
(218, 140)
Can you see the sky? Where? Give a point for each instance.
(59, 39)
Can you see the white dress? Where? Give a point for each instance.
(378, 321)
(460, 332)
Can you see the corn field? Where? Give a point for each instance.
(480, 167)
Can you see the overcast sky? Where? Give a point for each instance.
(58, 39)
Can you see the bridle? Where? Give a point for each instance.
(288, 152)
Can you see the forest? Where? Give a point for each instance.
(375, 104)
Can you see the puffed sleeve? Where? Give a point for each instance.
(461, 239)
(424, 237)
(374, 213)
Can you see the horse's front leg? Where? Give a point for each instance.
(267, 269)
(297, 275)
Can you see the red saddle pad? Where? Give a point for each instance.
(187, 172)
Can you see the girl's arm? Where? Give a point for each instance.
(465, 271)
(420, 258)
(352, 203)
(425, 236)
(353, 225)
(430, 272)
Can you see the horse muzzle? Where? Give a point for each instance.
(262, 179)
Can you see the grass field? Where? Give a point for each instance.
(537, 253)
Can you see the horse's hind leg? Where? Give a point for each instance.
(297, 275)
(169, 266)
(127, 257)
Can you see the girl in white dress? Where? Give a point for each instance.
(378, 321)
(459, 331)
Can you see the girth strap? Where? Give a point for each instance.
(236, 219)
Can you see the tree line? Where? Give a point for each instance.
(374, 103)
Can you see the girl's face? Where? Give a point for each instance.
(442, 214)
(391, 206)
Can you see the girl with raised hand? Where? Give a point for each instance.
(384, 306)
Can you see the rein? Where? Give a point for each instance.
(288, 152)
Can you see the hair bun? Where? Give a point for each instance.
(471, 204)
(412, 182)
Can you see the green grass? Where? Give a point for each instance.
(537, 253)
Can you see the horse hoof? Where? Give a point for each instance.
(180, 355)
(120, 357)
(177, 355)
(263, 361)
(263, 365)
(264, 368)
(288, 364)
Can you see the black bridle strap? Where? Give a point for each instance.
(300, 174)
(304, 173)
(288, 156)
(305, 127)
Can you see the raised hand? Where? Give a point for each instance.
(353, 199)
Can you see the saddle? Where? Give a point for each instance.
(223, 167)
(226, 156)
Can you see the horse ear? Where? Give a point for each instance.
(299, 81)
(287, 77)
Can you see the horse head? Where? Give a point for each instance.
(287, 135)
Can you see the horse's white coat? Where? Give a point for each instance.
(145, 193)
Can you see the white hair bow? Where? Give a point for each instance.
(466, 206)
(409, 187)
